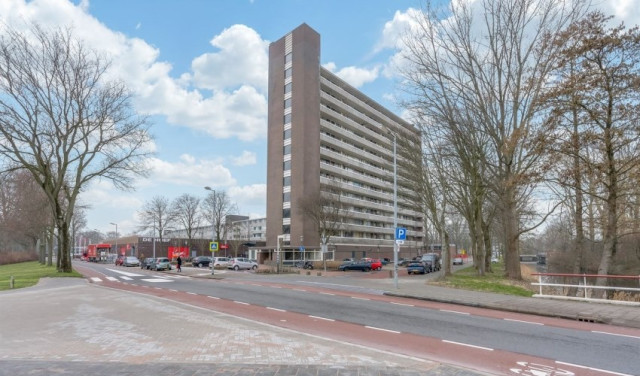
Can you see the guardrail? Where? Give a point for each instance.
(548, 280)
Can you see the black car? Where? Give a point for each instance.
(416, 267)
(147, 263)
(201, 261)
(432, 260)
(364, 266)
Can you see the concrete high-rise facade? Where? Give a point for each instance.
(324, 135)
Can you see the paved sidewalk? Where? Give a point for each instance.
(68, 326)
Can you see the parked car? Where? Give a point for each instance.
(364, 266)
(119, 260)
(432, 260)
(201, 261)
(348, 259)
(304, 264)
(402, 261)
(147, 263)
(162, 263)
(131, 261)
(385, 261)
(458, 260)
(375, 263)
(220, 261)
(238, 263)
(416, 267)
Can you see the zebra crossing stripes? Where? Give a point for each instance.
(126, 278)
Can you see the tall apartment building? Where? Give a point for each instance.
(325, 135)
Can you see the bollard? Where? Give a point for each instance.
(390, 273)
(11, 282)
(319, 274)
(308, 272)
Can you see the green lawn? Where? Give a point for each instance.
(468, 279)
(28, 274)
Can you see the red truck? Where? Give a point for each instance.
(96, 252)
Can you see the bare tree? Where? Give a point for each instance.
(156, 215)
(599, 81)
(485, 64)
(215, 209)
(65, 121)
(186, 212)
(326, 210)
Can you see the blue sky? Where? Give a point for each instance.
(199, 69)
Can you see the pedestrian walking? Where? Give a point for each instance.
(179, 261)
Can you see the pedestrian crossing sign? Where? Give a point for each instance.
(213, 246)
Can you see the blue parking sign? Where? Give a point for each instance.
(401, 233)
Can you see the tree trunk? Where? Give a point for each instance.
(510, 222)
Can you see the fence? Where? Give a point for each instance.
(557, 283)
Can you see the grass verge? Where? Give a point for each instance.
(468, 279)
(27, 274)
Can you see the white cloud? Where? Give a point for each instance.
(249, 196)
(355, 76)
(189, 171)
(242, 59)
(245, 159)
(237, 107)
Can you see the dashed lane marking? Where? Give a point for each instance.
(321, 318)
(614, 334)
(235, 301)
(156, 280)
(458, 312)
(355, 297)
(112, 279)
(126, 278)
(403, 304)
(468, 345)
(96, 279)
(276, 309)
(382, 329)
(524, 322)
(593, 369)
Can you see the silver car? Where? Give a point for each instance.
(238, 263)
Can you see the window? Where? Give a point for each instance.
(287, 134)
(286, 213)
(286, 229)
(287, 118)
(287, 58)
(287, 88)
(287, 73)
(286, 149)
(286, 197)
(286, 166)
(286, 181)
(287, 103)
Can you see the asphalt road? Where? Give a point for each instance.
(388, 316)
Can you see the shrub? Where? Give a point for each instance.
(14, 257)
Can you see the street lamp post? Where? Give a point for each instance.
(395, 213)
(213, 233)
(115, 224)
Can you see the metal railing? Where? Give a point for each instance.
(550, 281)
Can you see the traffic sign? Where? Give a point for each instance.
(301, 248)
(213, 246)
(401, 233)
(224, 246)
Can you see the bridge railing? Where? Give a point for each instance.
(557, 285)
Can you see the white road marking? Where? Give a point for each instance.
(300, 290)
(155, 280)
(126, 273)
(112, 279)
(614, 334)
(213, 297)
(96, 279)
(276, 309)
(321, 318)
(458, 312)
(191, 293)
(524, 322)
(382, 330)
(326, 293)
(173, 290)
(235, 301)
(468, 345)
(403, 304)
(355, 297)
(126, 278)
(593, 369)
